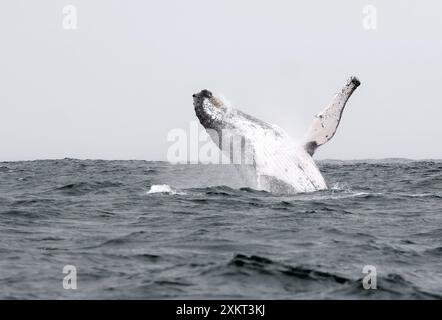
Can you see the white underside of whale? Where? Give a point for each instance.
(281, 166)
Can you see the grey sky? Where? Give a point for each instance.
(113, 88)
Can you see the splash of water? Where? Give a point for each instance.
(227, 103)
(162, 188)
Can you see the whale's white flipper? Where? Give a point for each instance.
(326, 123)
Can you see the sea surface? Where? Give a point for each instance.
(153, 230)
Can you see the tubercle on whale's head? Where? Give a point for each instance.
(206, 97)
(208, 109)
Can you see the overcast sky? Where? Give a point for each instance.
(115, 86)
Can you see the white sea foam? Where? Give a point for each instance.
(163, 188)
(339, 186)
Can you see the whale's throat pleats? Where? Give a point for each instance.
(280, 165)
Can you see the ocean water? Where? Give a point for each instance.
(152, 230)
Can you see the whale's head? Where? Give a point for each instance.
(209, 110)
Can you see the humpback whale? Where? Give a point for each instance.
(280, 164)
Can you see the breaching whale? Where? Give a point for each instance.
(280, 165)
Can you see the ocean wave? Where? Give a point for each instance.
(264, 265)
(82, 188)
(287, 280)
(423, 195)
(224, 190)
(436, 251)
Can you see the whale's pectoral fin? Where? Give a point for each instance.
(326, 123)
